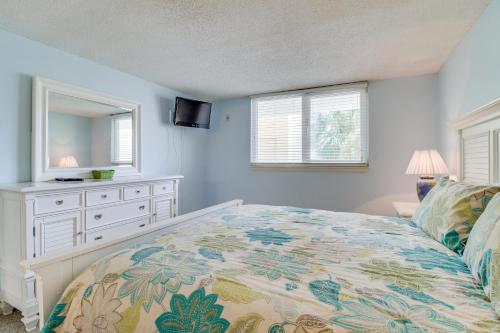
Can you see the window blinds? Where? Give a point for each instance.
(317, 126)
(122, 143)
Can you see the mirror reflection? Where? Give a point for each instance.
(84, 133)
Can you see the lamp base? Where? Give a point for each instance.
(424, 185)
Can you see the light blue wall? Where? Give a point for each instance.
(166, 150)
(69, 135)
(403, 117)
(471, 76)
(101, 141)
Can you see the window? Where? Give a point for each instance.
(325, 126)
(121, 132)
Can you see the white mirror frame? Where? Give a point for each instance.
(40, 153)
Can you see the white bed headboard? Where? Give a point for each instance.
(479, 135)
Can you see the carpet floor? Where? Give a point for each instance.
(11, 323)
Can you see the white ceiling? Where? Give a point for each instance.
(217, 49)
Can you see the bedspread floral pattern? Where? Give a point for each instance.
(278, 270)
(482, 253)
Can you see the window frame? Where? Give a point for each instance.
(307, 162)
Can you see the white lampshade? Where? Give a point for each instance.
(426, 163)
(68, 161)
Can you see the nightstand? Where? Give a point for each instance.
(405, 209)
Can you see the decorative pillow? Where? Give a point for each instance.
(424, 206)
(450, 212)
(482, 252)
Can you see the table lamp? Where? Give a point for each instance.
(426, 164)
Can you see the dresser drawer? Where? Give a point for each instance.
(56, 203)
(116, 230)
(98, 217)
(135, 192)
(94, 198)
(163, 188)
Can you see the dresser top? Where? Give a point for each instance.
(54, 185)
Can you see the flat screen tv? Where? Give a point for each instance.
(192, 113)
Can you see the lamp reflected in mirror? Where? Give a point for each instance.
(68, 161)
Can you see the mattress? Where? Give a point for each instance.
(258, 268)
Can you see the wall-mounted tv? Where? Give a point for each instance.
(192, 113)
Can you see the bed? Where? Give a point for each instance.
(255, 268)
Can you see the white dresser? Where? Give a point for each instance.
(38, 219)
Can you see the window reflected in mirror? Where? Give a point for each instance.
(85, 134)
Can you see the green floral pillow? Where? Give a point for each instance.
(482, 252)
(450, 212)
(425, 205)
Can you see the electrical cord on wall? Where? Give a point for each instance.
(174, 139)
(182, 150)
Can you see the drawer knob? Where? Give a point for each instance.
(98, 216)
(164, 188)
(142, 225)
(59, 202)
(79, 233)
(104, 196)
(98, 237)
(142, 207)
(137, 191)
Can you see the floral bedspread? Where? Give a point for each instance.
(273, 269)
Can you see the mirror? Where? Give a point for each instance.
(77, 130)
(85, 133)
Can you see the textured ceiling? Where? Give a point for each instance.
(226, 48)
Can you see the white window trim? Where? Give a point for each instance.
(316, 165)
